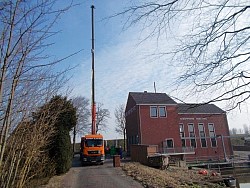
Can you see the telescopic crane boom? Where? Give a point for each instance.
(92, 145)
(93, 76)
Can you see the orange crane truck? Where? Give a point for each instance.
(92, 145)
(92, 149)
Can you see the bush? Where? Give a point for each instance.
(60, 149)
(61, 115)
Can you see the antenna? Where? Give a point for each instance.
(93, 75)
(154, 87)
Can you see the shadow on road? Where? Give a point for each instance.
(77, 163)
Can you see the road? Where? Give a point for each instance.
(101, 176)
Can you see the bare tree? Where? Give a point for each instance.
(102, 116)
(246, 129)
(83, 117)
(83, 114)
(240, 131)
(120, 121)
(25, 156)
(27, 80)
(212, 51)
(234, 131)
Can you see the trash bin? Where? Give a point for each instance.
(112, 150)
(116, 161)
(230, 181)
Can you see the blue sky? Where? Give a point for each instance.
(121, 62)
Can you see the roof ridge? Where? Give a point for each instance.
(151, 98)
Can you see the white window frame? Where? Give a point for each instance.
(167, 142)
(165, 110)
(182, 137)
(202, 137)
(193, 137)
(214, 135)
(156, 111)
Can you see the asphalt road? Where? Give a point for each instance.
(101, 176)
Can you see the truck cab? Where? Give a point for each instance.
(92, 149)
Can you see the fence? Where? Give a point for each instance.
(231, 168)
(184, 150)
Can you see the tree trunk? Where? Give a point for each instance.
(74, 141)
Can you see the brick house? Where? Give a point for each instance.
(156, 119)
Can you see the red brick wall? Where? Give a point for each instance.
(153, 131)
(132, 122)
(156, 130)
(132, 127)
(221, 128)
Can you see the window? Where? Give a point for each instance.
(181, 126)
(192, 135)
(183, 143)
(202, 135)
(193, 143)
(169, 143)
(212, 135)
(93, 142)
(162, 111)
(182, 135)
(153, 111)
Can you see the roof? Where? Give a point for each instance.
(151, 98)
(199, 109)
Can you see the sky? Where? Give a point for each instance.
(122, 64)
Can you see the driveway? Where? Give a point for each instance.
(101, 176)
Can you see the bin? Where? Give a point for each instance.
(230, 181)
(116, 161)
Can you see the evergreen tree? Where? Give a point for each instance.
(60, 150)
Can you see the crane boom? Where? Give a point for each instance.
(93, 76)
(92, 145)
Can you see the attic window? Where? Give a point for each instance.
(153, 111)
